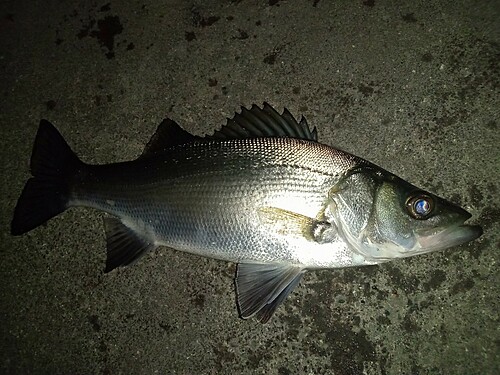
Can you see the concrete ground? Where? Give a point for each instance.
(411, 86)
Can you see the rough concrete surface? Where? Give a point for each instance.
(412, 86)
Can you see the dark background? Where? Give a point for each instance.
(410, 85)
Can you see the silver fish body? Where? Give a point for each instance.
(210, 198)
(261, 192)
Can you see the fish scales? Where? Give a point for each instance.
(188, 197)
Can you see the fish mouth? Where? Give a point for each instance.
(444, 238)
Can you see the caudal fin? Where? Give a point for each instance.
(46, 194)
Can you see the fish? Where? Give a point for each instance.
(261, 192)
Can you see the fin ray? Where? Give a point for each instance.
(46, 194)
(264, 122)
(168, 134)
(124, 246)
(265, 313)
(261, 287)
(294, 224)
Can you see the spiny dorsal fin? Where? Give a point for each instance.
(168, 134)
(264, 122)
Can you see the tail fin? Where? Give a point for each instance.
(46, 194)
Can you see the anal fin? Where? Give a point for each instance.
(124, 246)
(261, 287)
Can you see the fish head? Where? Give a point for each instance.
(383, 217)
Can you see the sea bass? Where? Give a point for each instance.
(261, 192)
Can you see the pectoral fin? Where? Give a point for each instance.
(261, 287)
(290, 223)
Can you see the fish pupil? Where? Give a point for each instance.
(422, 206)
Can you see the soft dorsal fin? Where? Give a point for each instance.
(168, 134)
(264, 122)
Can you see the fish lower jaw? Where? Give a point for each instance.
(446, 238)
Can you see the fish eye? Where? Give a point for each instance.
(420, 206)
